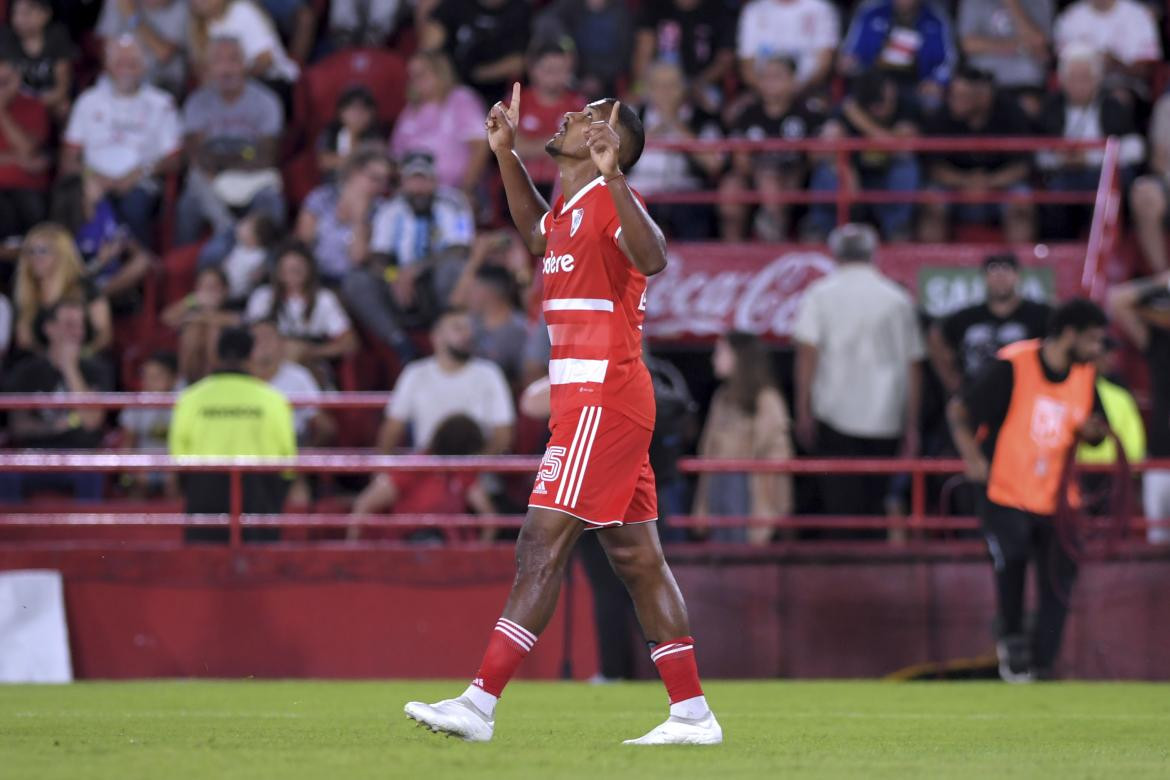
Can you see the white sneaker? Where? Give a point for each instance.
(680, 731)
(454, 717)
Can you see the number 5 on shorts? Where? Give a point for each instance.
(550, 466)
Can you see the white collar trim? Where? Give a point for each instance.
(600, 180)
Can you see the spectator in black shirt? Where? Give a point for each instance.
(59, 369)
(873, 110)
(775, 112)
(973, 109)
(964, 342)
(1141, 309)
(43, 51)
(486, 40)
(696, 35)
(355, 124)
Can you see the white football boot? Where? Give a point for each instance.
(683, 731)
(454, 717)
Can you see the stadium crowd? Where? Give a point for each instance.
(148, 139)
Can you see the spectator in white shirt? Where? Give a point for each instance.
(309, 316)
(449, 382)
(1123, 30)
(806, 31)
(240, 19)
(269, 362)
(127, 133)
(858, 369)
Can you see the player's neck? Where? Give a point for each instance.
(575, 175)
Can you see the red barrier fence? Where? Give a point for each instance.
(358, 463)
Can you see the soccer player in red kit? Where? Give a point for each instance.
(599, 244)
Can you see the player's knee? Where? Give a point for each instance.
(632, 563)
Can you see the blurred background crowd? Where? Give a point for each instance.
(315, 173)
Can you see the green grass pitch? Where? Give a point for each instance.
(772, 729)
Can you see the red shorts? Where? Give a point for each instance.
(597, 469)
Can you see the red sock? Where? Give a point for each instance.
(507, 647)
(676, 665)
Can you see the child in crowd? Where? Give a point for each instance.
(114, 260)
(146, 429)
(199, 317)
(355, 123)
(243, 254)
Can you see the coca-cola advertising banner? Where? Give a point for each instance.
(708, 289)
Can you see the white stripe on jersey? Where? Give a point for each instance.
(572, 371)
(578, 304)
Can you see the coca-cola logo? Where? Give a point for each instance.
(686, 301)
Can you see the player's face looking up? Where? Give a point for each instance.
(569, 141)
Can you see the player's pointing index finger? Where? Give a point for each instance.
(515, 105)
(613, 115)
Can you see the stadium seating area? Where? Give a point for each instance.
(157, 157)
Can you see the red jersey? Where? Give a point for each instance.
(594, 300)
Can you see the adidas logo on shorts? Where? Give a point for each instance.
(540, 489)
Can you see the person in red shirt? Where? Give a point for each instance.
(599, 244)
(547, 98)
(24, 165)
(451, 493)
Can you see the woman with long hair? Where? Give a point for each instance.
(442, 117)
(49, 270)
(748, 419)
(308, 315)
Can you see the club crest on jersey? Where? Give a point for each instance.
(578, 215)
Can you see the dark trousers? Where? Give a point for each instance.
(85, 485)
(1014, 538)
(853, 494)
(210, 493)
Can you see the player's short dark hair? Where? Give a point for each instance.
(165, 358)
(457, 435)
(234, 346)
(635, 135)
(1080, 314)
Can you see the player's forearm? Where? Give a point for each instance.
(642, 239)
(525, 203)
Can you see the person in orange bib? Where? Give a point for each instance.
(1036, 401)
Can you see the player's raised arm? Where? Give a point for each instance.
(641, 238)
(524, 201)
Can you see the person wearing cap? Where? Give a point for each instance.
(423, 233)
(231, 413)
(858, 370)
(963, 342)
(232, 126)
(1141, 309)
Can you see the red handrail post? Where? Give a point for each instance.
(1102, 230)
(236, 507)
(841, 161)
(917, 497)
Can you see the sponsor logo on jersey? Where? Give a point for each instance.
(540, 489)
(558, 263)
(578, 215)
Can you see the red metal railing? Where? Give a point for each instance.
(846, 195)
(350, 463)
(1106, 223)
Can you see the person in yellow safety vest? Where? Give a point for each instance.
(232, 413)
(1122, 414)
(1037, 400)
